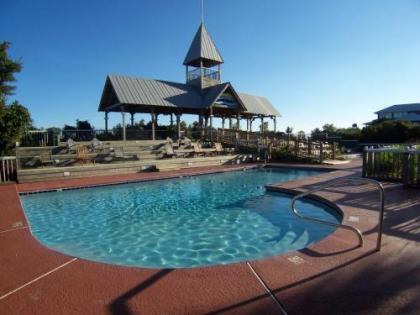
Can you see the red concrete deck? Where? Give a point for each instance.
(330, 277)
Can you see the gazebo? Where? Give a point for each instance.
(203, 94)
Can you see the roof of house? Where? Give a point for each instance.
(400, 108)
(203, 49)
(134, 92)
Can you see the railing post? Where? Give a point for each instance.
(309, 148)
(365, 163)
(406, 169)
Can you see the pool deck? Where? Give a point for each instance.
(333, 276)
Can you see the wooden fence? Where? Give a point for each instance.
(7, 169)
(392, 165)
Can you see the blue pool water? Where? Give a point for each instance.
(186, 222)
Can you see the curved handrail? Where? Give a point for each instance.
(339, 225)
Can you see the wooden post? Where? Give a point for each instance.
(365, 164)
(309, 147)
(275, 123)
(124, 135)
(106, 122)
(406, 169)
(211, 127)
(178, 125)
(206, 124)
(153, 117)
(132, 119)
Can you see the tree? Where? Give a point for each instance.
(8, 68)
(14, 121)
(14, 118)
(265, 126)
(301, 135)
(289, 130)
(183, 125)
(83, 125)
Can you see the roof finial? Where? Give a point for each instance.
(202, 11)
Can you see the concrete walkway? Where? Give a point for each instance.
(331, 277)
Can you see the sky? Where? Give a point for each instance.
(323, 61)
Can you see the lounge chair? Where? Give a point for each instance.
(219, 148)
(170, 152)
(71, 145)
(120, 155)
(198, 151)
(185, 142)
(96, 145)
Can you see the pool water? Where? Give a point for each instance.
(178, 223)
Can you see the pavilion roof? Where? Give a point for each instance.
(142, 95)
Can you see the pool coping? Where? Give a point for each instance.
(337, 238)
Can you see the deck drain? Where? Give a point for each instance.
(353, 218)
(296, 260)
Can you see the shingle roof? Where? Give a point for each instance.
(203, 48)
(123, 90)
(400, 108)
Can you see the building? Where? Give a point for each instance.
(203, 93)
(408, 112)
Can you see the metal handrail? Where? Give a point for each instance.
(344, 226)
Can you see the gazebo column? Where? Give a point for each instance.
(262, 124)
(211, 127)
(106, 122)
(230, 122)
(238, 121)
(153, 118)
(211, 123)
(250, 124)
(172, 120)
(124, 135)
(206, 121)
(275, 123)
(247, 129)
(223, 125)
(132, 119)
(178, 125)
(200, 123)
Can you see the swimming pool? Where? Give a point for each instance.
(178, 223)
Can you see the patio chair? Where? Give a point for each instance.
(82, 154)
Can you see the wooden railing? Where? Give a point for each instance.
(392, 165)
(7, 169)
(292, 146)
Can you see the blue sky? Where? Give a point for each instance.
(323, 61)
